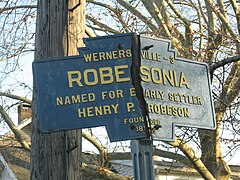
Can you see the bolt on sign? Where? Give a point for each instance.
(177, 91)
(90, 90)
(132, 85)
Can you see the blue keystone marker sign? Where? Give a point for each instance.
(177, 91)
(127, 83)
(90, 90)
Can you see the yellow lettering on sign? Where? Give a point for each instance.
(112, 94)
(145, 74)
(183, 81)
(133, 120)
(121, 54)
(90, 112)
(90, 73)
(163, 76)
(128, 53)
(184, 98)
(111, 55)
(168, 110)
(154, 94)
(95, 57)
(102, 56)
(155, 122)
(67, 100)
(115, 108)
(140, 128)
(119, 73)
(168, 77)
(156, 78)
(132, 92)
(150, 55)
(75, 99)
(115, 55)
(87, 57)
(74, 76)
(130, 107)
(103, 75)
(97, 111)
(106, 75)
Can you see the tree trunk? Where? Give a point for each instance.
(59, 31)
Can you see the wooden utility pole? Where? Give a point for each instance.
(59, 31)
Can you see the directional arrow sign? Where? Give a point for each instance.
(90, 90)
(177, 91)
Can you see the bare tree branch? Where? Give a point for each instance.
(93, 171)
(18, 133)
(212, 44)
(16, 97)
(178, 13)
(223, 62)
(188, 44)
(103, 153)
(196, 161)
(200, 22)
(137, 13)
(157, 152)
(224, 21)
(237, 13)
(152, 8)
(93, 140)
(174, 156)
(18, 7)
(231, 87)
(103, 27)
(210, 140)
(116, 11)
(89, 31)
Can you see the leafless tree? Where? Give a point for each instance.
(202, 30)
